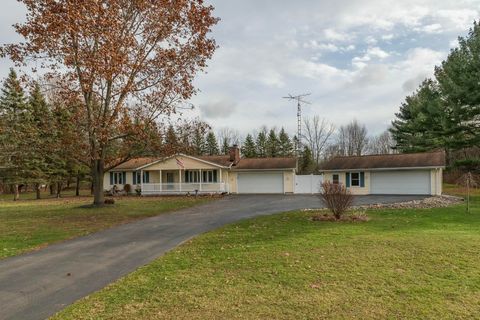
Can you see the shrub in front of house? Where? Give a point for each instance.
(336, 198)
(127, 188)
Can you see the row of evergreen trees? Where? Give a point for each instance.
(268, 143)
(200, 140)
(445, 111)
(35, 139)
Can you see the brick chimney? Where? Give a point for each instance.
(234, 154)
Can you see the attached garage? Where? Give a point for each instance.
(263, 176)
(395, 174)
(400, 182)
(260, 182)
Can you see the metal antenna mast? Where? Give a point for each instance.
(300, 101)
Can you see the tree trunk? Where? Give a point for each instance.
(52, 189)
(77, 186)
(37, 190)
(97, 177)
(59, 189)
(16, 193)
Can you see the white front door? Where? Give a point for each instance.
(262, 182)
(400, 182)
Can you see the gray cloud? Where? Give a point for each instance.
(218, 109)
(356, 57)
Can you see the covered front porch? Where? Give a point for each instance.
(181, 181)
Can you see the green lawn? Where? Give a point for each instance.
(32, 224)
(403, 264)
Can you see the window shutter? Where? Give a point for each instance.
(362, 179)
(124, 177)
(134, 177)
(214, 176)
(347, 175)
(111, 178)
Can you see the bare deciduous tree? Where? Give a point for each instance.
(318, 133)
(381, 144)
(352, 139)
(227, 137)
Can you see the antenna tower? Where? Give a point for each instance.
(300, 99)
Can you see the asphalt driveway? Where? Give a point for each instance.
(38, 284)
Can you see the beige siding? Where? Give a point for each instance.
(232, 182)
(288, 181)
(106, 180)
(436, 180)
(328, 176)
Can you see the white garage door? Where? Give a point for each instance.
(400, 182)
(260, 182)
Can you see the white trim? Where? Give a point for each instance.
(280, 169)
(183, 155)
(383, 169)
(351, 179)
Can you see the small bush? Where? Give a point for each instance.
(138, 190)
(336, 198)
(127, 188)
(109, 201)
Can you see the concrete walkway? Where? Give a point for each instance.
(38, 284)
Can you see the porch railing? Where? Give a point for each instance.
(155, 188)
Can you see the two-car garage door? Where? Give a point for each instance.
(265, 182)
(400, 182)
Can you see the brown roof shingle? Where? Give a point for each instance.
(220, 160)
(136, 163)
(385, 161)
(266, 163)
(243, 164)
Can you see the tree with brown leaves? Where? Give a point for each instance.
(127, 61)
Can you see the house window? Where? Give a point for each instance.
(209, 176)
(137, 175)
(192, 176)
(117, 178)
(355, 179)
(335, 179)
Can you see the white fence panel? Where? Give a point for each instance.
(308, 184)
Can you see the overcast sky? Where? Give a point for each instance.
(359, 59)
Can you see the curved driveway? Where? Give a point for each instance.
(38, 284)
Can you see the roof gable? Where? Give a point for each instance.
(386, 161)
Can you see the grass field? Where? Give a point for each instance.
(31, 224)
(402, 264)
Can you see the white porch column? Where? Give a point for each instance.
(200, 179)
(180, 179)
(220, 177)
(160, 172)
(141, 182)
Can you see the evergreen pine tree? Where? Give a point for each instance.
(420, 124)
(306, 163)
(199, 142)
(171, 141)
(261, 144)
(460, 87)
(273, 145)
(211, 144)
(14, 117)
(248, 148)
(225, 146)
(39, 140)
(285, 144)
